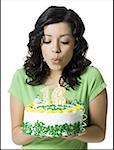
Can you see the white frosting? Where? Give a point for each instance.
(54, 118)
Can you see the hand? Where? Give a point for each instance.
(74, 136)
(45, 137)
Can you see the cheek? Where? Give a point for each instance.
(45, 53)
(68, 56)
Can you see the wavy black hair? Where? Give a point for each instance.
(34, 65)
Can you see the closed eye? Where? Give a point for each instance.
(65, 42)
(46, 42)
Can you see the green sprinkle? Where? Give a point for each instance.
(40, 129)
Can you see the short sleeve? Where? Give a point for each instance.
(15, 87)
(96, 83)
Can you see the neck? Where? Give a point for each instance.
(53, 78)
(55, 74)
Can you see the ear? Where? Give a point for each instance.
(44, 60)
(75, 46)
(76, 40)
(41, 43)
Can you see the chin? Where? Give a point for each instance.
(56, 68)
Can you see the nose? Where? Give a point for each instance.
(56, 47)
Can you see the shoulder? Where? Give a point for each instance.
(94, 81)
(20, 73)
(92, 70)
(91, 73)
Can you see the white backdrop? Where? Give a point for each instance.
(18, 19)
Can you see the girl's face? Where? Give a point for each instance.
(57, 45)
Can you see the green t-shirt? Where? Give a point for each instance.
(91, 84)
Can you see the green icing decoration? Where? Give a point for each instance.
(27, 128)
(40, 129)
(54, 107)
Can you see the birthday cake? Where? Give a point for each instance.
(53, 118)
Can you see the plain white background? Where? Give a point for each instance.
(18, 19)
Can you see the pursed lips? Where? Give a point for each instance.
(55, 60)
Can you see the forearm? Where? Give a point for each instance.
(93, 134)
(20, 138)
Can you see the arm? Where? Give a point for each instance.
(97, 120)
(17, 111)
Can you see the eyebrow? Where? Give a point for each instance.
(60, 35)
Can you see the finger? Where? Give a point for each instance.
(43, 137)
(80, 134)
(69, 136)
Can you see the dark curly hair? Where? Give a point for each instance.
(34, 65)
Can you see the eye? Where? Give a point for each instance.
(46, 42)
(64, 42)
